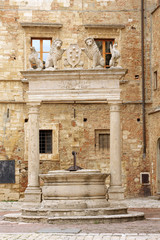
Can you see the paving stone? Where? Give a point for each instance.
(72, 237)
(106, 238)
(141, 237)
(80, 237)
(97, 237)
(88, 237)
(123, 237)
(115, 237)
(44, 236)
(130, 238)
(59, 230)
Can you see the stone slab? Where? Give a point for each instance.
(7, 169)
(59, 230)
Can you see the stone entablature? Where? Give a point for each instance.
(72, 85)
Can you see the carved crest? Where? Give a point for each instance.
(73, 55)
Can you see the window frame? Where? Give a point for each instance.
(104, 53)
(142, 175)
(155, 80)
(45, 143)
(99, 132)
(41, 46)
(54, 156)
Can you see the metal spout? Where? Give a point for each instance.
(74, 167)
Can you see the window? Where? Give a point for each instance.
(155, 80)
(42, 46)
(102, 140)
(144, 178)
(104, 47)
(45, 141)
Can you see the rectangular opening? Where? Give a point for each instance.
(42, 47)
(155, 80)
(104, 48)
(102, 140)
(145, 178)
(45, 141)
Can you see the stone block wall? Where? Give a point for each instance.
(155, 56)
(12, 146)
(153, 114)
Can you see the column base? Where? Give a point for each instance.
(116, 193)
(33, 194)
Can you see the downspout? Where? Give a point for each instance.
(143, 79)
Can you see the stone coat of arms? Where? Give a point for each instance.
(73, 56)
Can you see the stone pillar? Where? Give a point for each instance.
(116, 191)
(33, 191)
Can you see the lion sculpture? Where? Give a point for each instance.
(115, 56)
(55, 55)
(34, 60)
(93, 53)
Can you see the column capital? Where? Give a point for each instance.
(34, 104)
(33, 107)
(115, 105)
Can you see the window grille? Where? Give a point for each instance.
(104, 141)
(45, 141)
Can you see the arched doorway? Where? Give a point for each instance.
(158, 166)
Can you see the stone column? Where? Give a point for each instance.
(116, 191)
(33, 191)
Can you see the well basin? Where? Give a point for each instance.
(82, 189)
(74, 197)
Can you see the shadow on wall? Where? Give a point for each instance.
(145, 191)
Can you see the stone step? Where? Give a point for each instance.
(156, 197)
(73, 212)
(131, 216)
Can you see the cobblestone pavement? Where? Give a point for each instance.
(44, 236)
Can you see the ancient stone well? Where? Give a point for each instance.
(74, 196)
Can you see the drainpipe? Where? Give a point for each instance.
(143, 79)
